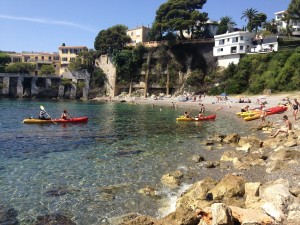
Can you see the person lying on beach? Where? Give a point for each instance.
(288, 126)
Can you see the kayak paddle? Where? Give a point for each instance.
(42, 108)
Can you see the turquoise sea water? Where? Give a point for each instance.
(91, 172)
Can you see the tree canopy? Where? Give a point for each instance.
(84, 60)
(114, 38)
(20, 67)
(223, 25)
(179, 15)
(4, 59)
(294, 9)
(47, 69)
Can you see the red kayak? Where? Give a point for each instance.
(210, 117)
(72, 120)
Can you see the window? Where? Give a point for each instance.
(235, 39)
(64, 51)
(222, 42)
(242, 48)
(50, 58)
(36, 58)
(72, 59)
(242, 38)
(220, 50)
(233, 49)
(228, 39)
(43, 58)
(56, 57)
(64, 59)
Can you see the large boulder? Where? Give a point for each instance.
(182, 216)
(221, 214)
(230, 186)
(196, 195)
(250, 216)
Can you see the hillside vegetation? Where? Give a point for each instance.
(277, 71)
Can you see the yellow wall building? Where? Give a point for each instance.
(39, 58)
(138, 35)
(68, 54)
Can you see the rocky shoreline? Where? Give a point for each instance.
(271, 195)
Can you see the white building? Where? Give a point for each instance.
(230, 47)
(281, 24)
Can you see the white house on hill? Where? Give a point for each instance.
(230, 47)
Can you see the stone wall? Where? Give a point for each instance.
(47, 89)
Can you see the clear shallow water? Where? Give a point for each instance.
(98, 166)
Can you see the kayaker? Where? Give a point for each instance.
(202, 108)
(42, 115)
(187, 115)
(288, 126)
(65, 115)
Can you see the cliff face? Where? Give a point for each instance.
(165, 71)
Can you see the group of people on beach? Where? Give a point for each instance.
(287, 123)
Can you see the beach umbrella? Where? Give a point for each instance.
(223, 94)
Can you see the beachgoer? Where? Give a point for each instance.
(288, 126)
(42, 115)
(245, 108)
(295, 107)
(263, 115)
(202, 108)
(65, 115)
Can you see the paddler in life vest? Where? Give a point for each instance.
(42, 115)
(187, 115)
(65, 115)
(245, 108)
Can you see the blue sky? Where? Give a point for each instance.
(34, 25)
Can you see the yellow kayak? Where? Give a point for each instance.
(249, 113)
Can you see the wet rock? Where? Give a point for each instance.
(55, 192)
(182, 216)
(231, 138)
(138, 220)
(197, 158)
(8, 216)
(209, 142)
(150, 191)
(209, 164)
(221, 214)
(53, 219)
(218, 138)
(172, 179)
(196, 195)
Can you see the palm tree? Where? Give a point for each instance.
(249, 14)
(225, 22)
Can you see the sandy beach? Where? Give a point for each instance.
(230, 106)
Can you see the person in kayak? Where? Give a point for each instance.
(187, 115)
(43, 115)
(65, 115)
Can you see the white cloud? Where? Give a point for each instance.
(49, 21)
